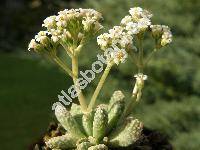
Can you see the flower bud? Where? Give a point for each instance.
(156, 31)
(166, 38)
(32, 45)
(137, 90)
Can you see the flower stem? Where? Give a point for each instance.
(140, 47)
(81, 97)
(99, 86)
(129, 106)
(135, 96)
(66, 49)
(63, 66)
(133, 57)
(150, 56)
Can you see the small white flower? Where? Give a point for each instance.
(132, 28)
(116, 31)
(140, 76)
(49, 22)
(119, 55)
(126, 20)
(32, 44)
(91, 20)
(41, 36)
(125, 40)
(68, 14)
(91, 13)
(165, 28)
(166, 38)
(56, 34)
(138, 13)
(87, 23)
(55, 38)
(156, 30)
(103, 39)
(143, 23)
(146, 14)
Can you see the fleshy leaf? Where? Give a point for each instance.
(87, 121)
(114, 114)
(62, 142)
(77, 114)
(128, 133)
(99, 147)
(83, 146)
(75, 110)
(68, 122)
(117, 96)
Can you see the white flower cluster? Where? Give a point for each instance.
(69, 27)
(32, 44)
(118, 55)
(137, 21)
(117, 41)
(162, 32)
(166, 36)
(116, 36)
(42, 38)
(115, 55)
(122, 36)
(73, 23)
(40, 42)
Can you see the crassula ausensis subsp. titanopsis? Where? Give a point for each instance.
(87, 126)
(98, 129)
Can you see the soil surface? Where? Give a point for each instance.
(150, 140)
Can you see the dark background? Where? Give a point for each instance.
(29, 84)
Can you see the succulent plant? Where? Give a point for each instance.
(87, 126)
(98, 129)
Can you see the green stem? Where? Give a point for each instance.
(81, 97)
(66, 49)
(150, 56)
(129, 106)
(99, 86)
(63, 66)
(140, 65)
(133, 57)
(140, 47)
